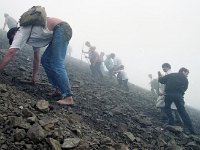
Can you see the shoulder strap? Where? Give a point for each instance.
(30, 34)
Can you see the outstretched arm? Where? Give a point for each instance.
(7, 57)
(36, 63)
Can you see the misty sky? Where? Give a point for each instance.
(143, 33)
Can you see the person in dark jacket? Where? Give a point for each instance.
(176, 85)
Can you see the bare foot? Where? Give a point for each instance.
(66, 101)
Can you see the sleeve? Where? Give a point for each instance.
(163, 80)
(185, 86)
(21, 37)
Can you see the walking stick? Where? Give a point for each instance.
(82, 50)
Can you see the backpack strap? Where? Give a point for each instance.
(30, 34)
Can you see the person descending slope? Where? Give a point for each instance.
(176, 85)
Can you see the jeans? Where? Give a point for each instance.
(179, 102)
(53, 59)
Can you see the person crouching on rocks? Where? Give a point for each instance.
(108, 62)
(122, 77)
(56, 35)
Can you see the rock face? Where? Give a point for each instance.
(104, 118)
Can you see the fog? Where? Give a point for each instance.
(143, 33)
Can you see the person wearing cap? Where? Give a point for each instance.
(56, 35)
(9, 21)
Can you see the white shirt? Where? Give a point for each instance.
(162, 91)
(123, 75)
(39, 37)
(117, 62)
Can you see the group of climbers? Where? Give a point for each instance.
(170, 91)
(114, 66)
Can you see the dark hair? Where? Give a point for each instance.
(87, 43)
(112, 54)
(181, 70)
(6, 15)
(166, 65)
(10, 34)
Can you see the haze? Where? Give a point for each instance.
(143, 33)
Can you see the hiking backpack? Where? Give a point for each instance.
(35, 16)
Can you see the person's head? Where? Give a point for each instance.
(121, 67)
(112, 55)
(6, 15)
(11, 34)
(184, 71)
(166, 67)
(150, 76)
(87, 43)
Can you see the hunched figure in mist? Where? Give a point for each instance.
(154, 85)
(176, 85)
(122, 77)
(108, 62)
(56, 35)
(9, 21)
(95, 61)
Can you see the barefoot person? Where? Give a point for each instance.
(57, 36)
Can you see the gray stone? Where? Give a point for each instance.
(36, 133)
(29, 146)
(193, 145)
(71, 143)
(3, 88)
(31, 119)
(175, 129)
(130, 136)
(27, 113)
(2, 120)
(47, 120)
(120, 146)
(43, 106)
(19, 134)
(55, 145)
(106, 141)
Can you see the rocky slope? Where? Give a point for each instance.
(104, 118)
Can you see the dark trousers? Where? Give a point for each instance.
(121, 82)
(96, 70)
(119, 78)
(179, 102)
(125, 83)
